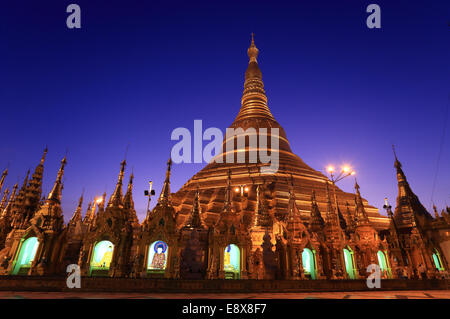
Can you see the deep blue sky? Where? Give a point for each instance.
(138, 69)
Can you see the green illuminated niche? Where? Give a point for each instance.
(308, 263)
(26, 254)
(437, 261)
(349, 263)
(382, 261)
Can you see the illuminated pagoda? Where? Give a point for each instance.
(231, 220)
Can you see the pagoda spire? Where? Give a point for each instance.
(25, 181)
(316, 221)
(262, 217)
(195, 221)
(19, 202)
(254, 99)
(2, 179)
(227, 203)
(360, 213)
(7, 210)
(4, 199)
(409, 209)
(330, 218)
(128, 199)
(55, 193)
(88, 216)
(34, 189)
(76, 218)
(293, 212)
(293, 209)
(165, 192)
(116, 199)
(349, 217)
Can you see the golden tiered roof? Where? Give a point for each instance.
(212, 179)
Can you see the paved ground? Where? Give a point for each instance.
(428, 294)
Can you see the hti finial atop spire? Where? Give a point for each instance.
(55, 193)
(397, 163)
(356, 186)
(128, 199)
(2, 179)
(43, 155)
(117, 196)
(252, 50)
(254, 99)
(165, 192)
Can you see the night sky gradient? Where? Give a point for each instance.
(136, 70)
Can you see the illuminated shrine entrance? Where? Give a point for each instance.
(26, 256)
(231, 262)
(349, 266)
(101, 258)
(308, 263)
(437, 261)
(157, 257)
(382, 262)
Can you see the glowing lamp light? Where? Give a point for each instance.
(346, 169)
(99, 200)
(236, 189)
(246, 189)
(353, 173)
(330, 169)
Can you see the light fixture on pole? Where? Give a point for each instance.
(344, 172)
(150, 192)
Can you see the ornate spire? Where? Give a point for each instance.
(128, 199)
(2, 179)
(43, 156)
(195, 220)
(7, 210)
(116, 199)
(76, 218)
(34, 189)
(227, 203)
(165, 192)
(4, 199)
(360, 213)
(19, 202)
(409, 208)
(330, 218)
(292, 206)
(316, 221)
(293, 212)
(25, 181)
(254, 99)
(55, 193)
(262, 216)
(88, 216)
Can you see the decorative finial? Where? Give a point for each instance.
(397, 163)
(43, 155)
(356, 185)
(252, 51)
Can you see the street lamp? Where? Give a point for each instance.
(150, 192)
(243, 189)
(344, 172)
